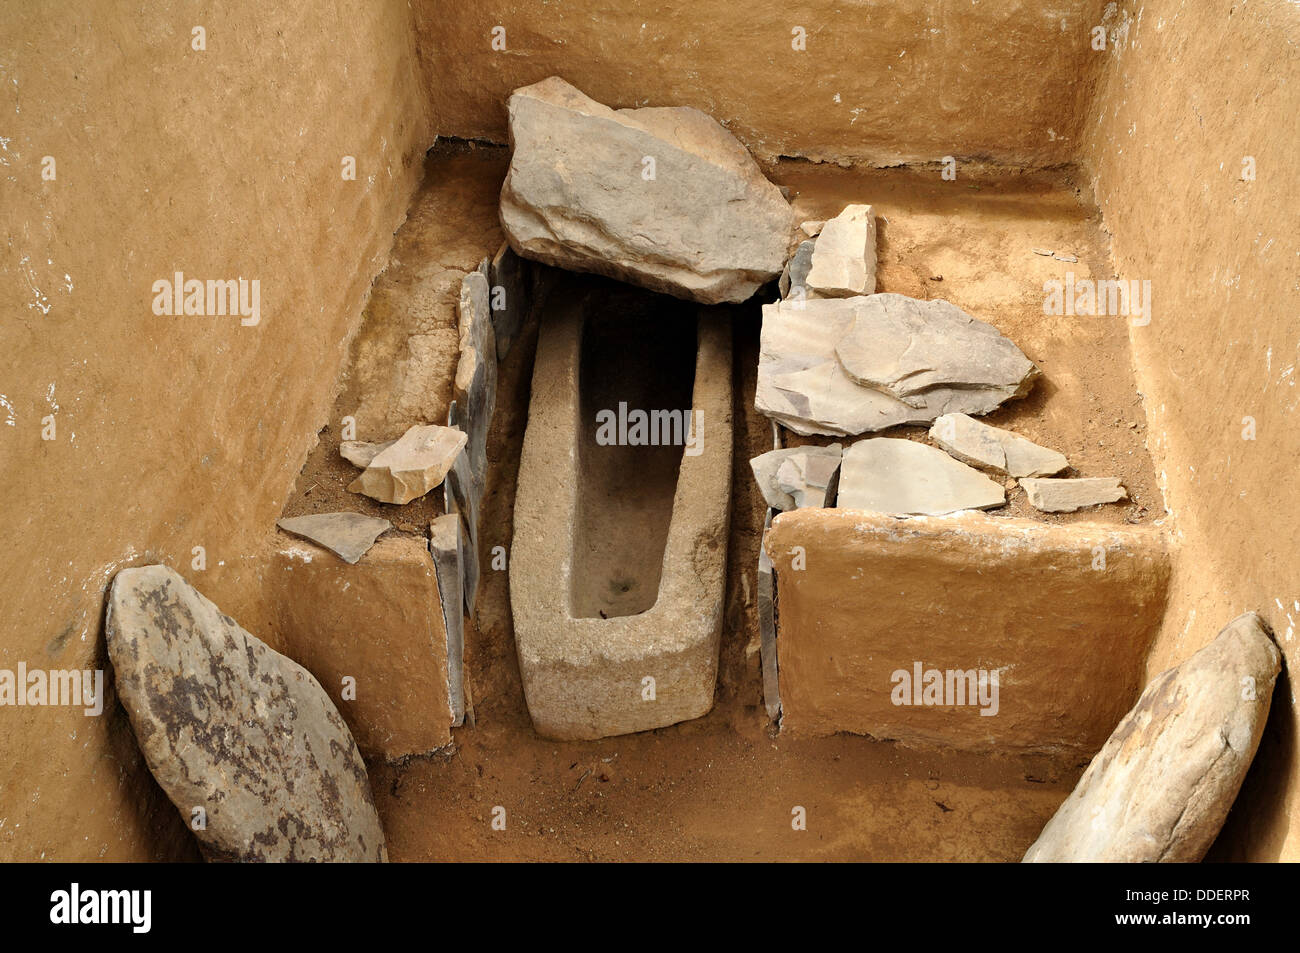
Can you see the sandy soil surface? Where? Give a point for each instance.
(725, 786)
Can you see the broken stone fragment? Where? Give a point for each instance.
(796, 476)
(476, 373)
(347, 534)
(981, 445)
(664, 198)
(844, 257)
(905, 478)
(795, 275)
(812, 229)
(1160, 789)
(232, 727)
(360, 453)
(415, 464)
(1070, 494)
(803, 386)
(907, 347)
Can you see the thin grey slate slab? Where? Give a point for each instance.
(349, 535)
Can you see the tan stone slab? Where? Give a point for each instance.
(1063, 613)
(1073, 493)
(379, 622)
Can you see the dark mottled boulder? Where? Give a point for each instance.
(230, 726)
(1161, 788)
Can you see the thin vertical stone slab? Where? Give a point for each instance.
(476, 373)
(509, 299)
(445, 546)
(767, 627)
(461, 497)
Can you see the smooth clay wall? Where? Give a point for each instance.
(127, 154)
(879, 82)
(1190, 147)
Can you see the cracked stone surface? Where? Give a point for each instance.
(982, 445)
(803, 386)
(228, 725)
(702, 223)
(415, 464)
(907, 347)
(349, 535)
(906, 478)
(843, 260)
(1066, 495)
(1160, 789)
(796, 476)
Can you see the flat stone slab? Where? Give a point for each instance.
(360, 452)
(1062, 614)
(349, 535)
(981, 445)
(447, 549)
(476, 373)
(417, 462)
(796, 476)
(803, 386)
(904, 478)
(1070, 494)
(1161, 788)
(843, 261)
(907, 347)
(230, 726)
(664, 198)
(380, 624)
(510, 277)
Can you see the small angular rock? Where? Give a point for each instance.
(1070, 494)
(228, 725)
(907, 347)
(415, 464)
(981, 445)
(360, 453)
(905, 478)
(796, 476)
(844, 258)
(347, 534)
(795, 274)
(1161, 788)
